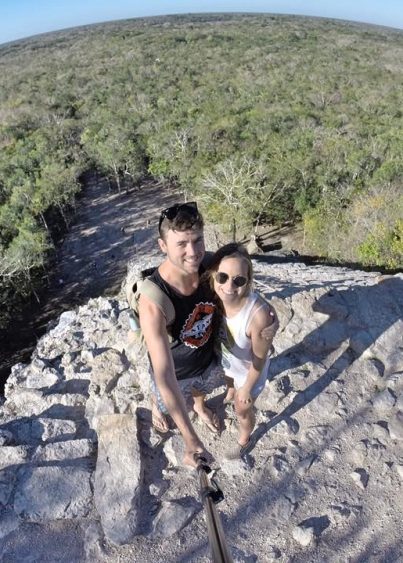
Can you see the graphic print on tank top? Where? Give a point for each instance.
(198, 326)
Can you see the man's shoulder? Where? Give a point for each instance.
(155, 300)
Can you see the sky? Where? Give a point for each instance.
(23, 18)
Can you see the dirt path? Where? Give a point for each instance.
(108, 229)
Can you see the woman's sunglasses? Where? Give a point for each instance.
(238, 281)
(171, 213)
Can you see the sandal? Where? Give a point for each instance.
(211, 422)
(229, 398)
(159, 421)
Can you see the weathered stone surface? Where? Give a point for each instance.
(174, 450)
(305, 464)
(118, 477)
(396, 426)
(9, 521)
(58, 451)
(7, 481)
(158, 489)
(282, 509)
(43, 379)
(303, 535)
(357, 454)
(384, 401)
(395, 381)
(343, 512)
(325, 402)
(57, 429)
(93, 542)
(98, 406)
(399, 470)
(33, 403)
(51, 493)
(360, 477)
(54, 542)
(13, 455)
(173, 516)
(6, 438)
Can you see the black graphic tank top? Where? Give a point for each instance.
(192, 346)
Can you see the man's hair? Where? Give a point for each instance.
(183, 221)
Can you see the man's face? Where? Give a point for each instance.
(184, 249)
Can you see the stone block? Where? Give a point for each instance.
(52, 493)
(118, 477)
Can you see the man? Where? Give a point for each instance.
(181, 355)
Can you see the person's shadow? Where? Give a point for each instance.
(360, 319)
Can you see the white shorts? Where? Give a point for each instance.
(260, 383)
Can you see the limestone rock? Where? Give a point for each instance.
(303, 535)
(396, 426)
(173, 516)
(59, 451)
(60, 541)
(51, 493)
(174, 450)
(360, 477)
(118, 477)
(384, 401)
(57, 429)
(13, 455)
(6, 438)
(9, 521)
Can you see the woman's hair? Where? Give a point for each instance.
(231, 250)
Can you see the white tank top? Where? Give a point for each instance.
(235, 345)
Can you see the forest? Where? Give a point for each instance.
(264, 119)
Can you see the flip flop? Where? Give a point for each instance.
(228, 401)
(212, 424)
(159, 422)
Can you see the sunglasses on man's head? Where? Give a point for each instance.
(171, 213)
(238, 281)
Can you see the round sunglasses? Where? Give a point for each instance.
(238, 281)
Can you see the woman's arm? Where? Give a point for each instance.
(261, 331)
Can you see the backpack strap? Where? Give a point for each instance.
(155, 294)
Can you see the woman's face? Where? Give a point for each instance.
(232, 272)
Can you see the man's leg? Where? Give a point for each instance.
(158, 418)
(201, 386)
(158, 410)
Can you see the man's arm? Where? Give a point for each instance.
(153, 326)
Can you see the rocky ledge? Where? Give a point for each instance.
(83, 476)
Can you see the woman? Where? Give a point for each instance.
(247, 328)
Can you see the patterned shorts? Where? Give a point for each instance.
(205, 383)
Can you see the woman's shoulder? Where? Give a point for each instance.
(262, 312)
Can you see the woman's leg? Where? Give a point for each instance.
(247, 419)
(229, 397)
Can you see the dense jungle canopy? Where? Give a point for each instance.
(264, 119)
